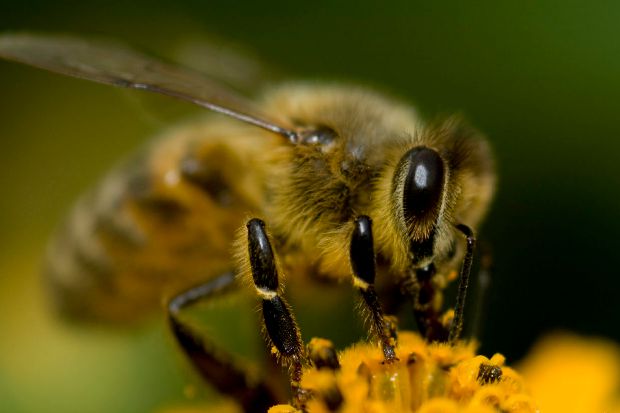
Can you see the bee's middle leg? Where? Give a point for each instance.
(362, 258)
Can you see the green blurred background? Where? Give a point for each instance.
(540, 78)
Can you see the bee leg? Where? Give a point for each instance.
(421, 289)
(280, 324)
(459, 308)
(362, 258)
(216, 366)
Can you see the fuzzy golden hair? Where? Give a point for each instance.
(314, 192)
(168, 218)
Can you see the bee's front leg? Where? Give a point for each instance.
(362, 258)
(279, 322)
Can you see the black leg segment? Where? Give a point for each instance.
(279, 322)
(459, 308)
(362, 258)
(215, 365)
(281, 327)
(421, 287)
(423, 291)
(262, 260)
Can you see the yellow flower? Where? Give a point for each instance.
(427, 378)
(563, 374)
(567, 374)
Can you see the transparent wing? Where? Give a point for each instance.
(226, 62)
(113, 63)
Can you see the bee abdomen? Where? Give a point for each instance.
(150, 230)
(78, 266)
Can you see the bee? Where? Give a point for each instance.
(318, 181)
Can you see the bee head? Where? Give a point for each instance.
(419, 183)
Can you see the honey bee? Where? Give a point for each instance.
(332, 182)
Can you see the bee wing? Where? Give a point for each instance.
(113, 63)
(226, 62)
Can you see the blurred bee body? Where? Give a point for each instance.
(317, 162)
(164, 218)
(167, 218)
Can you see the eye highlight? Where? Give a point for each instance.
(421, 176)
(423, 183)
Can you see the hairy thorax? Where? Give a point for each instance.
(317, 188)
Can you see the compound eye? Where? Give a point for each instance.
(317, 136)
(423, 184)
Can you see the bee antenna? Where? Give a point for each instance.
(114, 64)
(288, 134)
(235, 114)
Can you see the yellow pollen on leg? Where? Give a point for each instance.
(266, 294)
(361, 284)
